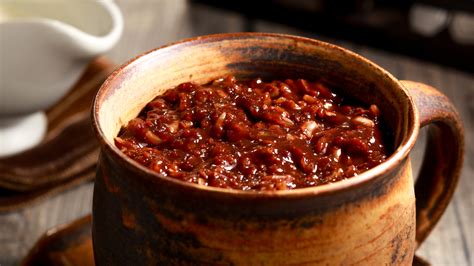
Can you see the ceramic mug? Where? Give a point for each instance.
(142, 218)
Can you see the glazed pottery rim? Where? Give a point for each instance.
(398, 155)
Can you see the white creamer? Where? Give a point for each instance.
(44, 47)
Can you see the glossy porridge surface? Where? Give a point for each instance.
(255, 135)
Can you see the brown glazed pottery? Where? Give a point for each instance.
(142, 218)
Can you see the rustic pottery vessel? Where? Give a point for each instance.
(142, 218)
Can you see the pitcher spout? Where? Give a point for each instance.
(45, 46)
(98, 33)
(84, 36)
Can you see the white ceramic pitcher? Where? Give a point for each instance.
(44, 47)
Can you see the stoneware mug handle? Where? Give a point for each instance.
(443, 158)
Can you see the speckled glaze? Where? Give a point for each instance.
(141, 218)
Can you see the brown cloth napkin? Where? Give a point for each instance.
(68, 154)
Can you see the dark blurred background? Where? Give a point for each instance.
(440, 31)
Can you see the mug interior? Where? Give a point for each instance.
(251, 55)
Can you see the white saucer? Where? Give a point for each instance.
(20, 133)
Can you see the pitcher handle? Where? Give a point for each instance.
(442, 162)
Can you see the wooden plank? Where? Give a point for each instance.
(446, 243)
(205, 20)
(270, 27)
(464, 197)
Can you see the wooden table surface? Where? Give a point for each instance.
(152, 23)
